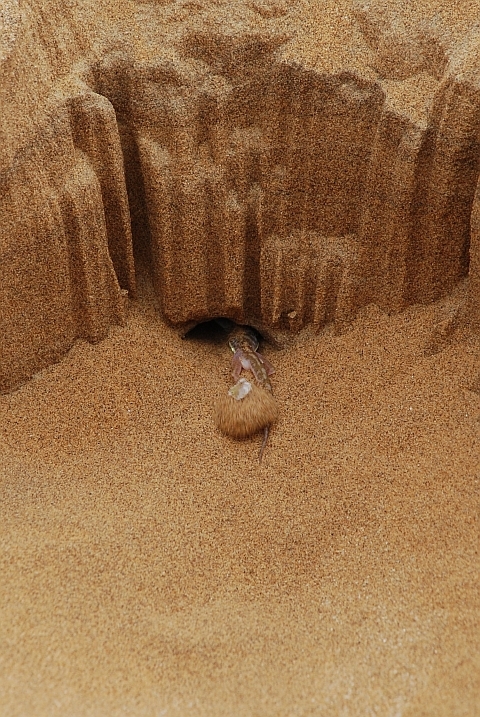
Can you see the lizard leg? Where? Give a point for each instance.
(268, 366)
(237, 366)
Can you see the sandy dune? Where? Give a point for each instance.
(149, 565)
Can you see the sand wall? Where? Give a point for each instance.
(254, 186)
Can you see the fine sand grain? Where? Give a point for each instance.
(150, 566)
(244, 417)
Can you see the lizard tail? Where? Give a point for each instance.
(264, 443)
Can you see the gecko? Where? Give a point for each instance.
(244, 344)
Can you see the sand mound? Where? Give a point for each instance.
(248, 415)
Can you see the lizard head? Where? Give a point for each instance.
(243, 337)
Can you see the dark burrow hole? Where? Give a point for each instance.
(215, 331)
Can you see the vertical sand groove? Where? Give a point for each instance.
(223, 151)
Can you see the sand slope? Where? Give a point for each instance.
(151, 567)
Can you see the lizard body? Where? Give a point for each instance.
(244, 344)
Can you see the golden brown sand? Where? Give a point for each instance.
(150, 566)
(245, 417)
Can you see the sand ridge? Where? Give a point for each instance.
(280, 166)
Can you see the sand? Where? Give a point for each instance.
(151, 566)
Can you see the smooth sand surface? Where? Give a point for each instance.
(150, 566)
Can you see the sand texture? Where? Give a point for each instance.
(247, 416)
(309, 169)
(280, 166)
(151, 566)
